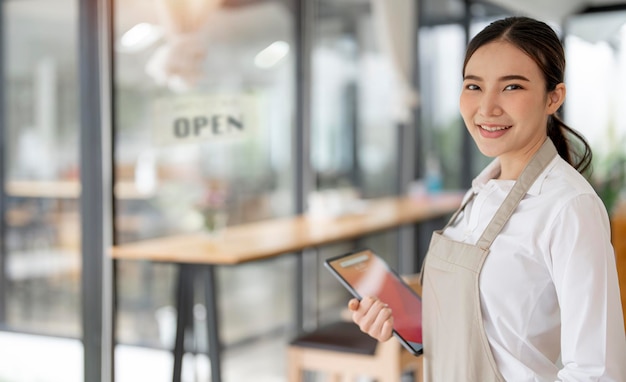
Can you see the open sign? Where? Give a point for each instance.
(190, 118)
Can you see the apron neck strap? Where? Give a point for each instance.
(456, 214)
(537, 164)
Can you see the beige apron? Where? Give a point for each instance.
(455, 344)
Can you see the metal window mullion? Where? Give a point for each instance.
(302, 171)
(3, 196)
(408, 165)
(467, 156)
(96, 185)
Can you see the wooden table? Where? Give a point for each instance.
(199, 253)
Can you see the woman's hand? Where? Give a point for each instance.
(373, 317)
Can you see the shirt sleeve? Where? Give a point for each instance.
(593, 344)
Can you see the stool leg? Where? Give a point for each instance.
(184, 311)
(418, 374)
(335, 378)
(215, 346)
(392, 376)
(294, 372)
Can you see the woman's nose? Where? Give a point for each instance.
(490, 105)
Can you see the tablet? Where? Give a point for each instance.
(364, 273)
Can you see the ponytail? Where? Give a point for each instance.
(579, 156)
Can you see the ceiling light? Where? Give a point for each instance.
(271, 55)
(140, 37)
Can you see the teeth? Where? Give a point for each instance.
(494, 128)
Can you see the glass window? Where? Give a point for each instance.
(354, 126)
(441, 127)
(204, 118)
(40, 147)
(596, 78)
(442, 130)
(353, 132)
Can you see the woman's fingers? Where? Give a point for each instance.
(353, 304)
(383, 322)
(373, 317)
(386, 328)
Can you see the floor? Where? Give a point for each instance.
(29, 358)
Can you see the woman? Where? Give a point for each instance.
(521, 285)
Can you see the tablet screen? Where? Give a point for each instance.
(366, 274)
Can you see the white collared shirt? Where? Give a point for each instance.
(549, 289)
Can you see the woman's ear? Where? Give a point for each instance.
(556, 98)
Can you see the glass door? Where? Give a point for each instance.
(204, 105)
(41, 177)
(40, 258)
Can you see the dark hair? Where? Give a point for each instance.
(542, 45)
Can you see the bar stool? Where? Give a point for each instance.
(341, 351)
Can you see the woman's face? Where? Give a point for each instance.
(504, 102)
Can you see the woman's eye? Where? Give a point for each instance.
(472, 87)
(512, 87)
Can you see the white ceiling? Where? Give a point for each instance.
(552, 10)
(49, 25)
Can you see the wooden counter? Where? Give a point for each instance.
(65, 189)
(264, 239)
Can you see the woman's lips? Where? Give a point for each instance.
(492, 128)
(493, 131)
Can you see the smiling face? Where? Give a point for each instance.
(505, 105)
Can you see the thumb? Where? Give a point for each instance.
(353, 304)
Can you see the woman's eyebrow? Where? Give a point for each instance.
(514, 77)
(472, 78)
(509, 77)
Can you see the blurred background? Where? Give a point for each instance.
(226, 112)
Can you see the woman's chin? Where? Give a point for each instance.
(488, 150)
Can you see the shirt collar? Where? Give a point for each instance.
(492, 171)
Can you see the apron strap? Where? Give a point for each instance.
(450, 222)
(537, 164)
(458, 211)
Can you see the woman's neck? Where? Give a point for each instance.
(512, 164)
